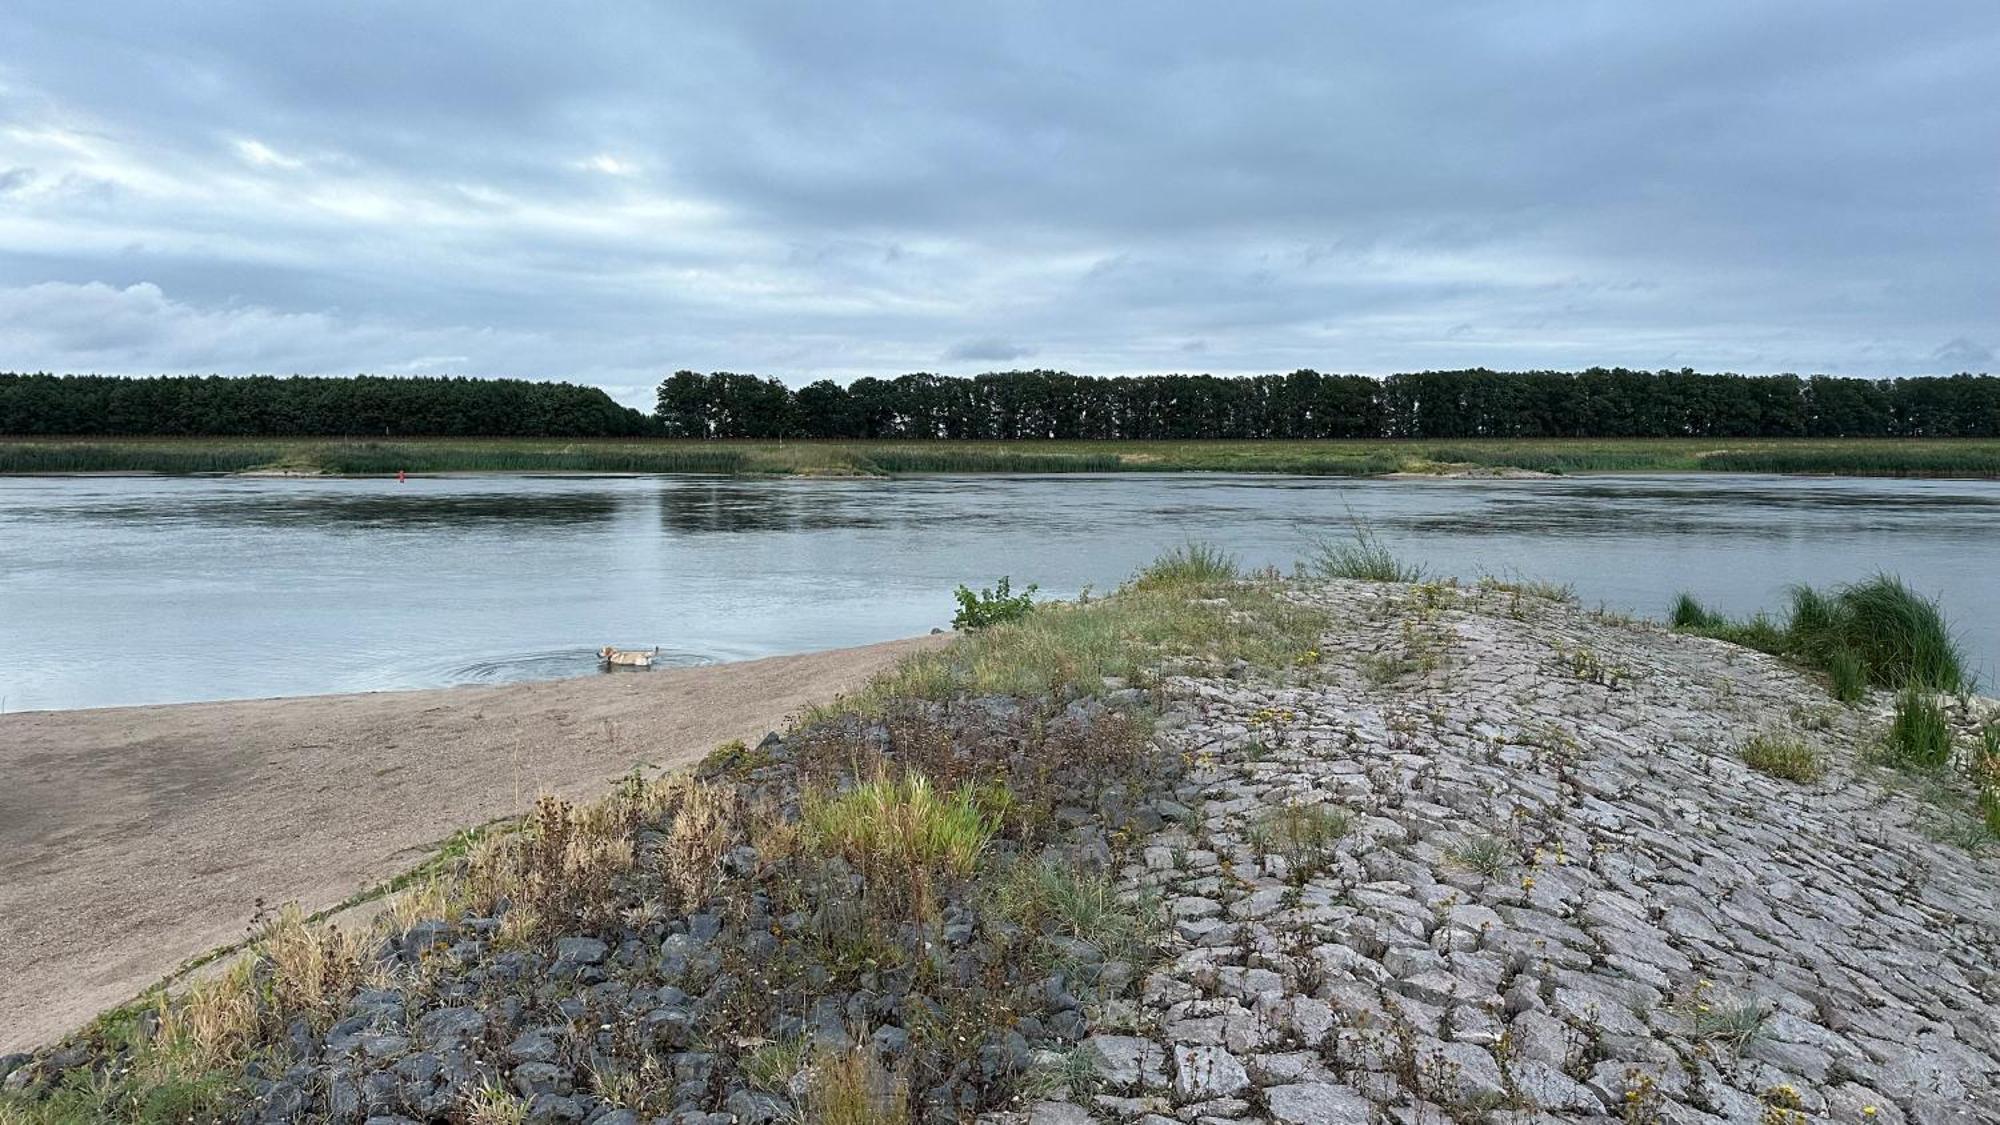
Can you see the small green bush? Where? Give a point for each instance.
(1919, 737)
(992, 607)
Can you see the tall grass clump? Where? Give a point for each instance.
(1919, 737)
(1056, 901)
(1899, 636)
(1690, 614)
(1846, 676)
(1875, 632)
(1190, 564)
(903, 835)
(1362, 556)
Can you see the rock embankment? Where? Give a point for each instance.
(1480, 856)
(1496, 858)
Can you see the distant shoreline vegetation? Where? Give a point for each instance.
(1895, 457)
(1023, 421)
(1020, 406)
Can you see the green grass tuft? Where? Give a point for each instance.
(903, 835)
(1059, 902)
(1899, 635)
(1190, 564)
(1919, 737)
(1486, 854)
(1362, 556)
(1877, 632)
(1847, 676)
(1783, 757)
(1692, 616)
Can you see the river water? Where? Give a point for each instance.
(127, 590)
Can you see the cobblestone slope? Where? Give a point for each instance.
(1496, 858)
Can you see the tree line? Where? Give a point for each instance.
(305, 406)
(1017, 405)
(1600, 402)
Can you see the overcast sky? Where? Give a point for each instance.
(606, 192)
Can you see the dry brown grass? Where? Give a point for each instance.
(315, 970)
(853, 1088)
(560, 871)
(706, 822)
(214, 1023)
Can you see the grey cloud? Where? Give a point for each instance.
(1961, 354)
(812, 190)
(988, 348)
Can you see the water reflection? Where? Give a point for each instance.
(408, 510)
(695, 508)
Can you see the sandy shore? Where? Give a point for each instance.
(134, 838)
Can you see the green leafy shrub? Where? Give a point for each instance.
(992, 607)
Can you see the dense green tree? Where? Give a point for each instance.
(263, 406)
(1039, 404)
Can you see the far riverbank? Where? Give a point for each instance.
(340, 456)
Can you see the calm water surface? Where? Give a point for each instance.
(152, 590)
